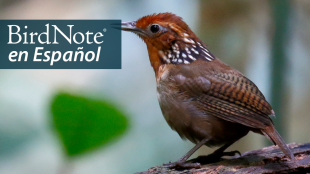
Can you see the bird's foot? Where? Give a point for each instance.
(196, 163)
(181, 165)
(213, 157)
(231, 153)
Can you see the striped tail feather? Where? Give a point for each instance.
(272, 134)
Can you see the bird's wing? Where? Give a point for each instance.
(231, 97)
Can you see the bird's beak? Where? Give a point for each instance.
(128, 26)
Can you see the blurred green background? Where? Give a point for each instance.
(109, 121)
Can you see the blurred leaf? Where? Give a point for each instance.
(85, 124)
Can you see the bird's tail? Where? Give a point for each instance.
(272, 134)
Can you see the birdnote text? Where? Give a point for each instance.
(60, 44)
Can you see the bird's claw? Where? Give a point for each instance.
(232, 153)
(214, 157)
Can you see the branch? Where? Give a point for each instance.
(266, 160)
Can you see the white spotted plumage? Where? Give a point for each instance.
(191, 57)
(195, 51)
(187, 54)
(187, 50)
(188, 41)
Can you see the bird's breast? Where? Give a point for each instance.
(180, 114)
(185, 118)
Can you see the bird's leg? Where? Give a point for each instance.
(216, 155)
(220, 152)
(181, 162)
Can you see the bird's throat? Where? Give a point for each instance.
(154, 58)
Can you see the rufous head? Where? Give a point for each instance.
(169, 39)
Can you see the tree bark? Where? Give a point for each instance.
(266, 160)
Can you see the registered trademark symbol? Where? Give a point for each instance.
(104, 30)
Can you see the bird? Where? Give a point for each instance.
(203, 99)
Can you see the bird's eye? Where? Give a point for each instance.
(154, 28)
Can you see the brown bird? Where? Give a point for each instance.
(202, 99)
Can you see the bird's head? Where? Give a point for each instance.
(169, 40)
